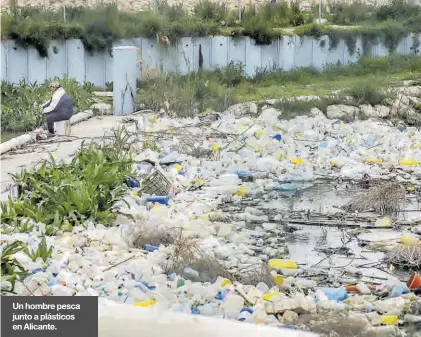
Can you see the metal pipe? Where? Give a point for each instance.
(320, 12)
(239, 10)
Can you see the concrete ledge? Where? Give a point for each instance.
(29, 137)
(130, 321)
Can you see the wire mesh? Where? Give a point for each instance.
(156, 184)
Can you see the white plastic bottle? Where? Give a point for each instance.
(232, 306)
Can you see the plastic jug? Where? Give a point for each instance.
(282, 264)
(159, 200)
(145, 304)
(233, 305)
(389, 320)
(408, 240)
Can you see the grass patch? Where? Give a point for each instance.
(98, 27)
(5, 136)
(21, 103)
(366, 92)
(62, 195)
(364, 81)
(203, 91)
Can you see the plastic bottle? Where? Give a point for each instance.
(191, 272)
(245, 316)
(335, 294)
(159, 200)
(271, 295)
(399, 289)
(409, 240)
(287, 187)
(150, 248)
(389, 319)
(282, 264)
(233, 305)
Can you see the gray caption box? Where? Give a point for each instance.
(19, 316)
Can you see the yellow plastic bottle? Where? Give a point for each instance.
(297, 161)
(145, 304)
(408, 162)
(225, 282)
(384, 222)
(278, 279)
(268, 296)
(409, 240)
(282, 264)
(242, 190)
(389, 320)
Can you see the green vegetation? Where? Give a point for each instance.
(62, 195)
(42, 251)
(21, 103)
(99, 27)
(11, 269)
(201, 91)
(217, 90)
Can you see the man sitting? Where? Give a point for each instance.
(58, 108)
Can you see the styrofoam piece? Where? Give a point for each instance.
(129, 321)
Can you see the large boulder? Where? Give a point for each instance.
(382, 111)
(269, 114)
(101, 109)
(316, 112)
(343, 112)
(411, 91)
(378, 111)
(241, 109)
(403, 106)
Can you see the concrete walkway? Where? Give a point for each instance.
(60, 147)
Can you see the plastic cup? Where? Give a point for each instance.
(414, 281)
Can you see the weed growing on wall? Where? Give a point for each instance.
(99, 27)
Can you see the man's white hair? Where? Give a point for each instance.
(54, 84)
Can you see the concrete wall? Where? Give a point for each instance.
(68, 58)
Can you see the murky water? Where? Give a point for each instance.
(313, 245)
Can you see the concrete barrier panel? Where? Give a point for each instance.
(37, 71)
(57, 59)
(17, 69)
(76, 67)
(219, 51)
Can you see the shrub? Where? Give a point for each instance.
(366, 92)
(208, 10)
(99, 27)
(11, 269)
(186, 96)
(21, 103)
(351, 13)
(59, 194)
(292, 108)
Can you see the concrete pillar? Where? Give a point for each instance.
(125, 72)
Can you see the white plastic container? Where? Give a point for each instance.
(63, 128)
